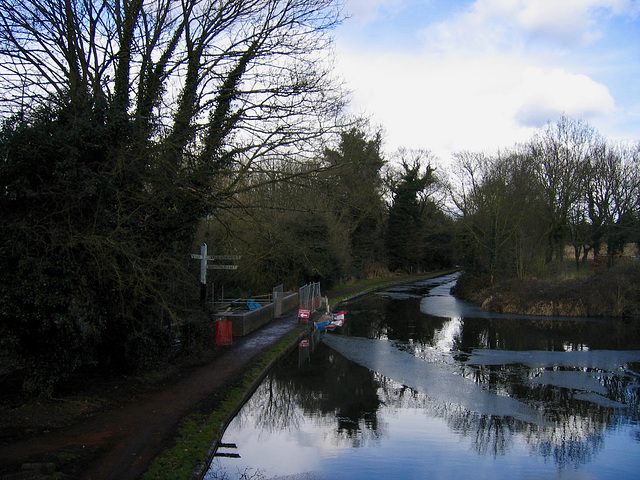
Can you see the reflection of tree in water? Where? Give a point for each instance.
(332, 389)
(573, 442)
(546, 334)
(577, 431)
(335, 391)
(569, 442)
(577, 422)
(328, 387)
(397, 318)
(578, 427)
(368, 323)
(490, 435)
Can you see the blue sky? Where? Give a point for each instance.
(483, 75)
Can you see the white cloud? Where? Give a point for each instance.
(489, 24)
(487, 76)
(548, 94)
(463, 102)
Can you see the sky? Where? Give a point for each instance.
(485, 75)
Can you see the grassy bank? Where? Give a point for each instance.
(200, 432)
(610, 293)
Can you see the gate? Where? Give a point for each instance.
(310, 297)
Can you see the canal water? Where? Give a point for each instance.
(419, 385)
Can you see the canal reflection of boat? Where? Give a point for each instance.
(330, 321)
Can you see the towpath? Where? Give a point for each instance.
(128, 438)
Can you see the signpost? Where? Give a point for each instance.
(204, 265)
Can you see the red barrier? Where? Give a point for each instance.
(303, 315)
(224, 332)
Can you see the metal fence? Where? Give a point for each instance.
(310, 297)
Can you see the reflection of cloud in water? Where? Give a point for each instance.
(490, 420)
(608, 360)
(300, 476)
(576, 380)
(439, 348)
(440, 303)
(598, 400)
(596, 376)
(444, 339)
(575, 437)
(439, 381)
(572, 442)
(515, 406)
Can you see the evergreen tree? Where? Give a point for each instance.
(404, 239)
(354, 192)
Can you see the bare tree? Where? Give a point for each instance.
(499, 207)
(613, 196)
(228, 81)
(517, 210)
(562, 153)
(469, 169)
(126, 122)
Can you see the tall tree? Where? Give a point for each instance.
(405, 224)
(613, 197)
(354, 191)
(499, 212)
(129, 120)
(562, 153)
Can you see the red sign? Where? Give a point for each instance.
(303, 313)
(304, 343)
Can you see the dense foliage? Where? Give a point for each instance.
(125, 124)
(88, 243)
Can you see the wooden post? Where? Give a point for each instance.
(203, 273)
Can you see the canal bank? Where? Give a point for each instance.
(214, 426)
(123, 440)
(209, 429)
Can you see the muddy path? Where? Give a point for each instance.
(122, 442)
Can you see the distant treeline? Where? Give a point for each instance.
(517, 211)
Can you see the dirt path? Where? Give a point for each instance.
(127, 439)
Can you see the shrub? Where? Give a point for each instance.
(197, 335)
